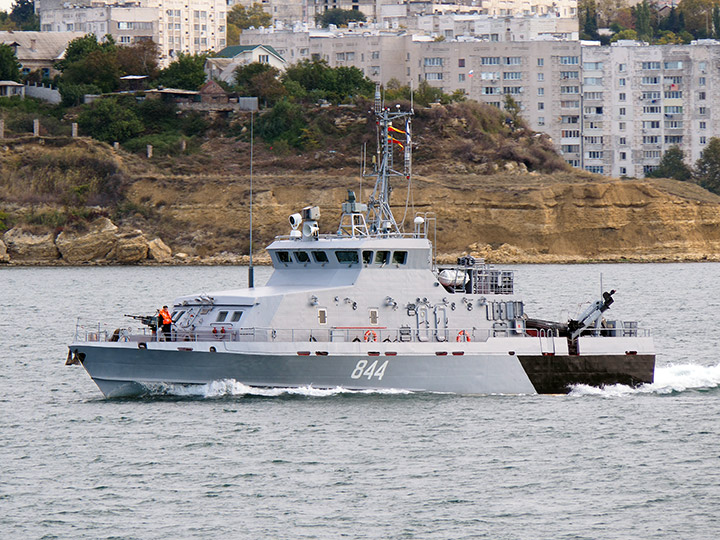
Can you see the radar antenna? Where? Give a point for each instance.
(380, 219)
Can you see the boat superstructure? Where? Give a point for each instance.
(367, 307)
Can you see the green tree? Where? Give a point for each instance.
(244, 17)
(187, 72)
(110, 121)
(79, 48)
(22, 13)
(339, 17)
(285, 121)
(588, 19)
(643, 21)
(427, 94)
(707, 168)
(314, 79)
(624, 34)
(9, 65)
(99, 68)
(512, 108)
(261, 80)
(672, 165)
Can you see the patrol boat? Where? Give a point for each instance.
(367, 308)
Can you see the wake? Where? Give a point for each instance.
(232, 388)
(669, 379)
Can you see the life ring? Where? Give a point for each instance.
(371, 335)
(216, 334)
(462, 336)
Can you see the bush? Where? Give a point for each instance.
(285, 121)
(164, 144)
(107, 120)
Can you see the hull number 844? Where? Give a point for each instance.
(362, 369)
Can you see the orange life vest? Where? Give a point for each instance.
(166, 319)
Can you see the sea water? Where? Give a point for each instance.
(226, 461)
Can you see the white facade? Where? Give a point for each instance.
(639, 100)
(190, 27)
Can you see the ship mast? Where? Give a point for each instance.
(380, 218)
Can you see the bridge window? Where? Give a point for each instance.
(400, 257)
(347, 257)
(382, 257)
(367, 257)
(236, 316)
(320, 256)
(302, 257)
(283, 256)
(221, 316)
(322, 316)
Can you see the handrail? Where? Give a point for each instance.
(110, 333)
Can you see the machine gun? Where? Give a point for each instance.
(591, 316)
(150, 321)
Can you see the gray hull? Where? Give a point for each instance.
(123, 369)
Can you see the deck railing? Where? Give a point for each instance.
(100, 332)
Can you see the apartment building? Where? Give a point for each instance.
(639, 100)
(175, 25)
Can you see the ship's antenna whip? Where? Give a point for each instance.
(251, 270)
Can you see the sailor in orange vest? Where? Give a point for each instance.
(166, 322)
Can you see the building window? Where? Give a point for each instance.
(541, 91)
(490, 60)
(461, 77)
(541, 120)
(264, 58)
(703, 140)
(569, 60)
(434, 61)
(623, 171)
(650, 65)
(433, 76)
(621, 96)
(513, 60)
(540, 77)
(701, 81)
(570, 75)
(621, 126)
(702, 125)
(592, 66)
(622, 111)
(569, 89)
(703, 110)
(540, 62)
(622, 68)
(541, 106)
(623, 156)
(623, 141)
(512, 76)
(461, 62)
(701, 96)
(621, 82)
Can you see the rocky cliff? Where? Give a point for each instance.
(511, 217)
